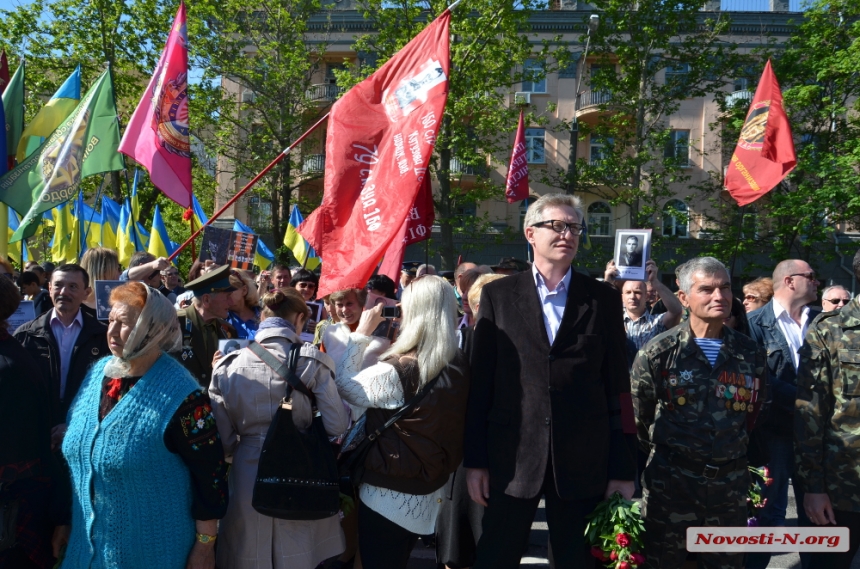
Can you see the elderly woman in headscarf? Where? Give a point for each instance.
(147, 464)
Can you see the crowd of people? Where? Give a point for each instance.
(135, 442)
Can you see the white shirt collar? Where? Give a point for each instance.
(779, 310)
(56, 318)
(540, 282)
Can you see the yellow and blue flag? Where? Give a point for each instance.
(127, 239)
(90, 223)
(301, 249)
(263, 257)
(17, 253)
(110, 222)
(52, 115)
(160, 244)
(200, 218)
(66, 245)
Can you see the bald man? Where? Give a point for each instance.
(779, 327)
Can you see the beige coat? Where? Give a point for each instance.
(245, 394)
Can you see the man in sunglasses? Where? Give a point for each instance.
(550, 412)
(834, 297)
(779, 327)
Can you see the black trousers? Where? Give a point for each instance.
(382, 543)
(841, 560)
(508, 521)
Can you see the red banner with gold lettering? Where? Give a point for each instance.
(764, 154)
(517, 185)
(381, 135)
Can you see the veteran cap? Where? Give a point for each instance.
(217, 280)
(410, 267)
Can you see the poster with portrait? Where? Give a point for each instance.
(230, 345)
(103, 290)
(316, 309)
(226, 247)
(632, 251)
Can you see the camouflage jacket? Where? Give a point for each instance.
(685, 405)
(827, 409)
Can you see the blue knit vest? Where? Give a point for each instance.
(131, 506)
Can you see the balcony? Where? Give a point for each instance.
(323, 94)
(457, 168)
(738, 99)
(590, 101)
(313, 164)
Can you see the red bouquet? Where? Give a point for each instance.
(615, 530)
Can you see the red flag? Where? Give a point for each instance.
(4, 71)
(157, 134)
(517, 186)
(765, 151)
(380, 139)
(416, 227)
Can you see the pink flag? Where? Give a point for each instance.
(157, 135)
(517, 186)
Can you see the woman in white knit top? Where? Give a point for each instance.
(390, 516)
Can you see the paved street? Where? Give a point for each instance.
(424, 558)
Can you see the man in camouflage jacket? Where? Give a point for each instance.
(827, 424)
(697, 391)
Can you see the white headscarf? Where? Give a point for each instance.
(157, 328)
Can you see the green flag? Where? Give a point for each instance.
(83, 145)
(13, 104)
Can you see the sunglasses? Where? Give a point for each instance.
(752, 297)
(809, 276)
(837, 300)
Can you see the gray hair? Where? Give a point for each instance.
(425, 270)
(834, 287)
(704, 265)
(535, 212)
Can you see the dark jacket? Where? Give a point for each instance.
(91, 345)
(42, 303)
(782, 375)
(529, 398)
(417, 454)
(195, 355)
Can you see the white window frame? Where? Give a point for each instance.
(675, 222)
(530, 66)
(674, 146)
(598, 143)
(598, 219)
(532, 136)
(677, 70)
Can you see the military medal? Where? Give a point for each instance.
(742, 392)
(720, 390)
(728, 404)
(743, 406)
(736, 406)
(673, 380)
(681, 400)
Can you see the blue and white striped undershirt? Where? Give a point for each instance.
(711, 347)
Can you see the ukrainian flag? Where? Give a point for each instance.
(264, 257)
(110, 222)
(127, 240)
(301, 249)
(160, 244)
(52, 115)
(90, 222)
(15, 251)
(66, 246)
(200, 218)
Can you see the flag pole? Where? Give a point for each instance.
(93, 214)
(251, 184)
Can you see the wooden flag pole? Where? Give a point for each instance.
(250, 184)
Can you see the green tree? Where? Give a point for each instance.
(819, 71)
(488, 47)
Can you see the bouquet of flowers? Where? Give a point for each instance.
(615, 530)
(755, 501)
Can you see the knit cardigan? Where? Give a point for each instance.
(132, 497)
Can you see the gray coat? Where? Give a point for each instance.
(245, 394)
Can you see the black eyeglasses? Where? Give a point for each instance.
(560, 226)
(809, 276)
(837, 300)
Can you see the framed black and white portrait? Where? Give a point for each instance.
(103, 290)
(632, 250)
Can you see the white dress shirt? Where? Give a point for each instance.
(552, 301)
(66, 337)
(791, 330)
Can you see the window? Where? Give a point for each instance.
(465, 213)
(259, 213)
(678, 147)
(535, 140)
(677, 73)
(534, 76)
(330, 68)
(676, 219)
(599, 219)
(600, 148)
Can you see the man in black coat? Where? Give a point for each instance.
(65, 358)
(550, 411)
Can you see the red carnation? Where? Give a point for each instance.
(187, 214)
(766, 471)
(598, 553)
(613, 556)
(623, 565)
(622, 539)
(637, 558)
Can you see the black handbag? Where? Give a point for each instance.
(297, 475)
(358, 442)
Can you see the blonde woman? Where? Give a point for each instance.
(245, 314)
(409, 464)
(101, 264)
